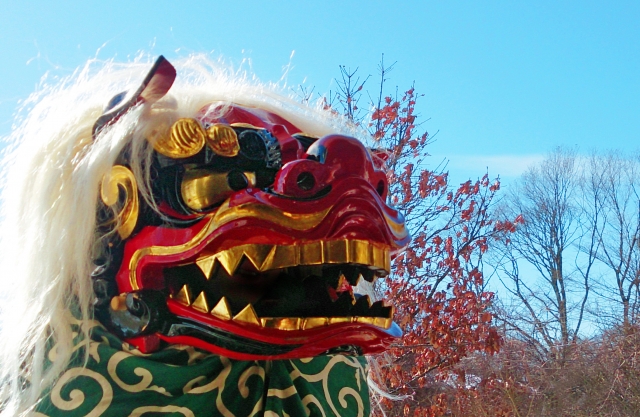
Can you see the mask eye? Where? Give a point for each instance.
(252, 145)
(189, 186)
(259, 148)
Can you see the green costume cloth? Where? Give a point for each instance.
(119, 380)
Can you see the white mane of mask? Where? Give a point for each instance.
(52, 169)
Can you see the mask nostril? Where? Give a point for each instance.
(380, 188)
(306, 181)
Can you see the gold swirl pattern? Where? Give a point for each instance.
(77, 397)
(352, 393)
(121, 177)
(244, 389)
(218, 383)
(193, 354)
(323, 377)
(310, 399)
(118, 383)
(242, 382)
(145, 374)
(282, 393)
(166, 409)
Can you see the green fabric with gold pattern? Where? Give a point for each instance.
(182, 381)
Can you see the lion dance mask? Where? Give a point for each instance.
(228, 264)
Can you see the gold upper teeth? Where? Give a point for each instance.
(248, 315)
(269, 257)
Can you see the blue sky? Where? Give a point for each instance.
(504, 82)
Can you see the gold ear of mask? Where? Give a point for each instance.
(187, 137)
(119, 178)
(223, 140)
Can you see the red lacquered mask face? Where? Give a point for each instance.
(261, 234)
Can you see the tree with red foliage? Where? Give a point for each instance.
(437, 285)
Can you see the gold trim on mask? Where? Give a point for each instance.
(224, 215)
(270, 257)
(249, 316)
(295, 221)
(246, 126)
(201, 188)
(119, 178)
